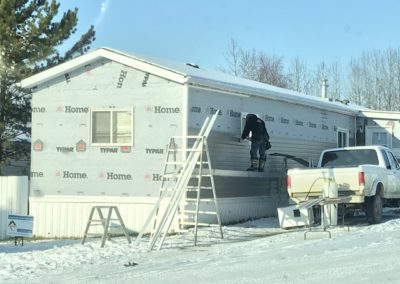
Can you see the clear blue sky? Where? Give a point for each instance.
(199, 31)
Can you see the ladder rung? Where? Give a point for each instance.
(92, 234)
(184, 150)
(167, 175)
(166, 189)
(97, 221)
(204, 175)
(200, 212)
(181, 230)
(201, 199)
(201, 187)
(103, 220)
(198, 223)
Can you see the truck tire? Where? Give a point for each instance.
(374, 208)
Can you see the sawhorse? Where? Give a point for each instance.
(105, 222)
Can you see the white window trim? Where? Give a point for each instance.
(130, 143)
(343, 130)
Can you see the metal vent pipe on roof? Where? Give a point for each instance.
(324, 88)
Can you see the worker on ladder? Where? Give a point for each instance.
(259, 141)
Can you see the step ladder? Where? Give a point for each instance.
(185, 188)
(200, 197)
(104, 222)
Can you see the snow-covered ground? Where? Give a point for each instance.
(252, 252)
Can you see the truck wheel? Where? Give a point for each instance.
(374, 208)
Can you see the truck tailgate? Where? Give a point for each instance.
(310, 182)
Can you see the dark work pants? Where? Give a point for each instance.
(258, 147)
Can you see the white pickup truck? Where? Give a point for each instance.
(369, 175)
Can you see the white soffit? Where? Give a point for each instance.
(390, 115)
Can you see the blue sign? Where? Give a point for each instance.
(19, 225)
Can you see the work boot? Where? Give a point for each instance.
(261, 165)
(253, 166)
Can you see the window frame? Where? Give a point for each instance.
(111, 112)
(393, 160)
(342, 131)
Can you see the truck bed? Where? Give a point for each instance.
(306, 183)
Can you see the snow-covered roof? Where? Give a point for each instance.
(190, 74)
(380, 114)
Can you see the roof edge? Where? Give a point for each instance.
(92, 56)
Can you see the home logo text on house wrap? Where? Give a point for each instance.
(162, 109)
(71, 175)
(72, 109)
(115, 176)
(159, 177)
(233, 113)
(38, 109)
(195, 109)
(121, 78)
(37, 174)
(213, 110)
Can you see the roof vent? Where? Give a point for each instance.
(193, 65)
(324, 88)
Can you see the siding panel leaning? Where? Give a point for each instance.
(13, 199)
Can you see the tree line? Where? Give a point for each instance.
(30, 33)
(371, 79)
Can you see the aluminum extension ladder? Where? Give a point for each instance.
(104, 222)
(188, 182)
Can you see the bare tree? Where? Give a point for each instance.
(372, 80)
(248, 65)
(299, 78)
(254, 65)
(270, 70)
(375, 79)
(232, 55)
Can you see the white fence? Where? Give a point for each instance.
(13, 199)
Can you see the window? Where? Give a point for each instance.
(393, 160)
(349, 158)
(378, 135)
(385, 157)
(342, 138)
(112, 127)
(379, 138)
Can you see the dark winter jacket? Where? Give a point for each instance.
(257, 128)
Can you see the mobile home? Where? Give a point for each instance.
(102, 121)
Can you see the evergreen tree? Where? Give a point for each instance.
(30, 33)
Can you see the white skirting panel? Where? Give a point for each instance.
(238, 209)
(13, 199)
(67, 216)
(234, 210)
